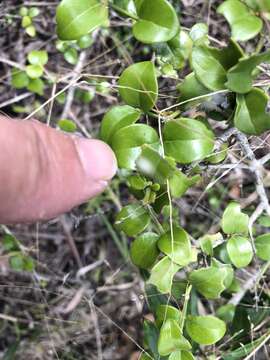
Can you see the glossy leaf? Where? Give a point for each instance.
(240, 76)
(177, 248)
(262, 244)
(181, 355)
(234, 221)
(210, 281)
(151, 27)
(77, 18)
(138, 85)
(226, 312)
(165, 312)
(244, 25)
(211, 64)
(205, 330)
(152, 165)
(162, 275)
(181, 47)
(187, 140)
(38, 57)
(71, 56)
(180, 183)
(127, 143)
(191, 88)
(117, 118)
(132, 219)
(240, 251)
(250, 116)
(227, 269)
(171, 338)
(144, 250)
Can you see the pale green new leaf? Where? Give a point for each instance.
(205, 330)
(171, 338)
(132, 219)
(234, 221)
(262, 245)
(162, 275)
(181, 355)
(165, 312)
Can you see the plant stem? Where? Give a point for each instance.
(184, 312)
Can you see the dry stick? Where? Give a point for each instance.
(71, 241)
(15, 99)
(77, 71)
(97, 330)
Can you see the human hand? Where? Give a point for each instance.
(44, 172)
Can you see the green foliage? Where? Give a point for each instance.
(234, 221)
(240, 251)
(132, 219)
(262, 245)
(144, 251)
(244, 24)
(138, 85)
(78, 18)
(205, 330)
(151, 27)
(166, 312)
(67, 125)
(187, 140)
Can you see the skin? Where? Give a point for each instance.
(45, 172)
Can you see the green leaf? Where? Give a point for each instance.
(19, 79)
(262, 244)
(180, 183)
(210, 281)
(71, 56)
(152, 165)
(33, 12)
(181, 47)
(34, 71)
(144, 251)
(198, 33)
(171, 338)
(205, 330)
(116, 118)
(226, 312)
(250, 116)
(177, 249)
(36, 86)
(210, 64)
(162, 275)
(191, 88)
(10, 243)
(150, 332)
(38, 57)
(128, 141)
(77, 18)
(187, 140)
(138, 85)
(244, 25)
(151, 27)
(16, 262)
(166, 312)
(240, 251)
(26, 21)
(31, 31)
(240, 76)
(227, 269)
(207, 241)
(234, 221)
(181, 355)
(23, 11)
(132, 219)
(85, 41)
(67, 125)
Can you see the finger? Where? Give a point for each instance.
(44, 172)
